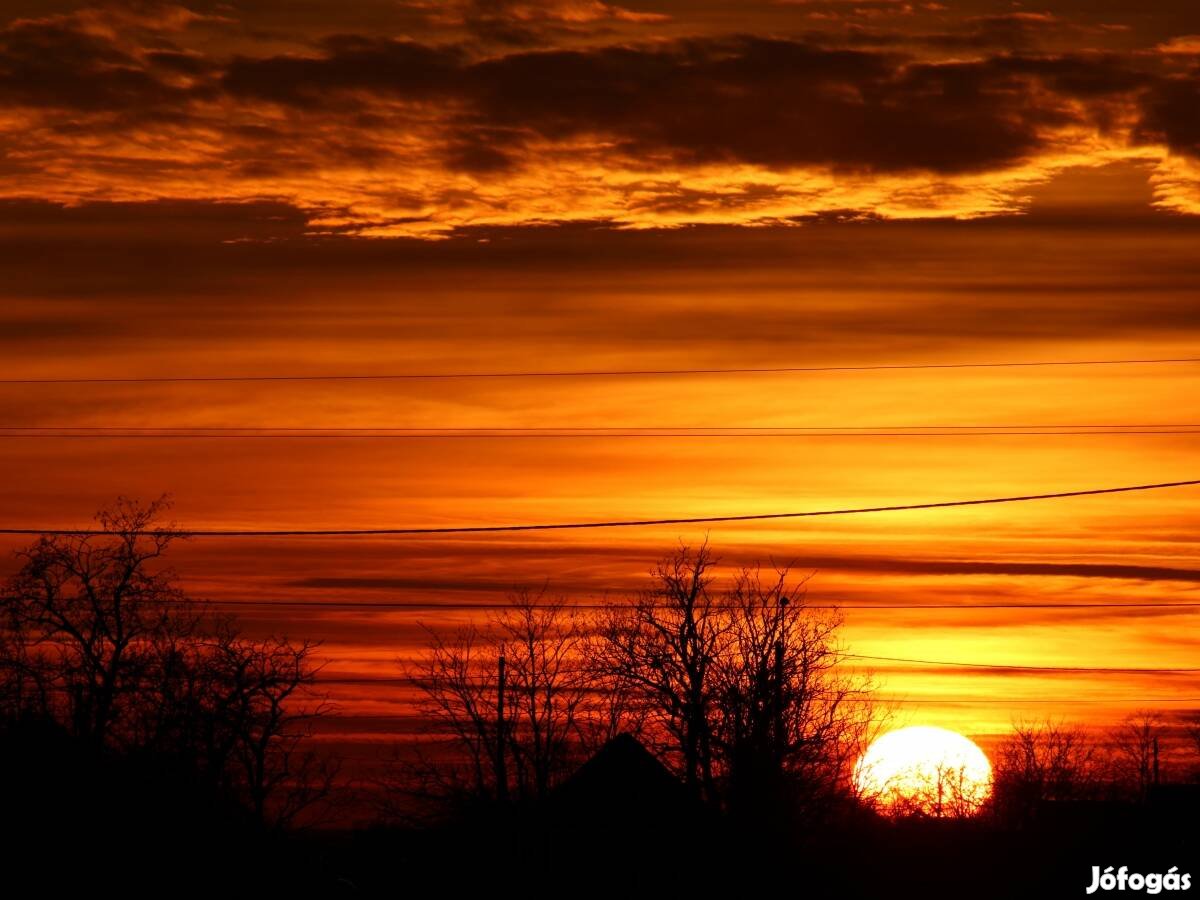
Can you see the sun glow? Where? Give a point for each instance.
(926, 771)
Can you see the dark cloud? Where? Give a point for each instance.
(54, 64)
(751, 100)
(390, 68)
(174, 221)
(1076, 76)
(180, 62)
(477, 158)
(326, 125)
(1171, 114)
(891, 565)
(1016, 31)
(430, 583)
(1042, 569)
(783, 103)
(1011, 32)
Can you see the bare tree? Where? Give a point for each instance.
(541, 640)
(789, 723)
(1135, 748)
(239, 713)
(102, 639)
(1041, 761)
(609, 709)
(942, 790)
(1192, 730)
(742, 687)
(458, 678)
(663, 649)
(265, 695)
(508, 702)
(92, 608)
(25, 676)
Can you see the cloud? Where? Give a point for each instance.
(1184, 44)
(522, 23)
(398, 136)
(56, 64)
(889, 565)
(775, 104)
(1171, 114)
(771, 103)
(349, 64)
(1020, 31)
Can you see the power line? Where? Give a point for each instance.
(558, 433)
(595, 373)
(416, 681)
(886, 698)
(522, 429)
(626, 523)
(433, 606)
(1007, 667)
(417, 716)
(1115, 701)
(587, 429)
(1113, 670)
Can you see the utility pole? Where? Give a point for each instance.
(780, 726)
(501, 771)
(780, 729)
(1156, 760)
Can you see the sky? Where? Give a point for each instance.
(311, 188)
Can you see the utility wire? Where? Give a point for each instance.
(417, 716)
(625, 523)
(553, 434)
(1006, 667)
(1115, 701)
(1114, 670)
(585, 429)
(595, 373)
(1089, 670)
(885, 698)
(434, 606)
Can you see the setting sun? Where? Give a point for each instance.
(926, 770)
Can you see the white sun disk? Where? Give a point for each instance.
(926, 770)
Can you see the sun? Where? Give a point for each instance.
(925, 771)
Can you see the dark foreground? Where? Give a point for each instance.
(79, 821)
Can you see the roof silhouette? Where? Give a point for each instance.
(624, 778)
(623, 805)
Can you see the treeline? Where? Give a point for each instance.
(1055, 761)
(739, 688)
(99, 645)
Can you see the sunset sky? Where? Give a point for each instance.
(272, 188)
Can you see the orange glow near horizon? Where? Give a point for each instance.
(213, 190)
(834, 295)
(924, 770)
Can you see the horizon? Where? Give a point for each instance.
(401, 265)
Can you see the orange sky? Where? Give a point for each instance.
(304, 188)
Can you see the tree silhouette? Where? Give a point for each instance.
(1192, 731)
(510, 707)
(663, 648)
(91, 613)
(1135, 748)
(741, 687)
(788, 723)
(101, 639)
(1044, 761)
(939, 789)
